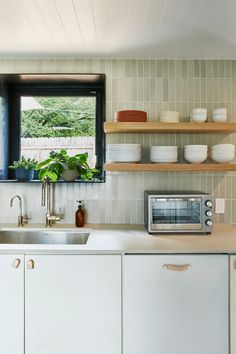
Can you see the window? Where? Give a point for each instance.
(53, 112)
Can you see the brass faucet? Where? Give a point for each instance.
(48, 194)
(21, 219)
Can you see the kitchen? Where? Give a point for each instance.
(112, 294)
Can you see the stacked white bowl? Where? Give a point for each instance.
(223, 153)
(124, 152)
(219, 115)
(195, 153)
(199, 115)
(166, 154)
(169, 117)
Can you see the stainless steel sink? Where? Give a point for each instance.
(41, 237)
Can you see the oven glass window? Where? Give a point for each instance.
(182, 211)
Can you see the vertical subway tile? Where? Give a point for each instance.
(146, 68)
(153, 68)
(133, 68)
(140, 68)
(228, 68)
(203, 68)
(234, 68)
(209, 68)
(184, 68)
(159, 68)
(165, 69)
(178, 67)
(197, 68)
(221, 68)
(190, 68)
(171, 69)
(215, 69)
(165, 90)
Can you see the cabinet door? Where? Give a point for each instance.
(175, 304)
(11, 304)
(233, 303)
(73, 304)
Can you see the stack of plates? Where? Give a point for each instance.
(130, 116)
(124, 152)
(195, 153)
(169, 117)
(163, 154)
(223, 153)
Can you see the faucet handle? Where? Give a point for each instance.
(22, 220)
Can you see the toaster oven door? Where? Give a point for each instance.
(177, 213)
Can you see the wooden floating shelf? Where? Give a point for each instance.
(182, 167)
(165, 128)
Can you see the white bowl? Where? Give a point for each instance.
(199, 117)
(222, 159)
(219, 117)
(195, 159)
(196, 147)
(228, 147)
(220, 110)
(199, 110)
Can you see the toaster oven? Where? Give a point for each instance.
(178, 212)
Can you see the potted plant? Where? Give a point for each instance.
(24, 169)
(60, 164)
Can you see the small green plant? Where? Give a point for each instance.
(27, 164)
(58, 162)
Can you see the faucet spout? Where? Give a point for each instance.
(20, 218)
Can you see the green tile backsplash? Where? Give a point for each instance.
(151, 85)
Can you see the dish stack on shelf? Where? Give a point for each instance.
(131, 153)
(195, 153)
(166, 154)
(199, 115)
(169, 117)
(219, 115)
(130, 116)
(223, 153)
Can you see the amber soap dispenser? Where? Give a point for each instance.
(79, 215)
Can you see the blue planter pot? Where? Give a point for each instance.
(24, 175)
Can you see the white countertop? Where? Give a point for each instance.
(119, 239)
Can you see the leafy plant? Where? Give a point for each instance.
(27, 164)
(58, 162)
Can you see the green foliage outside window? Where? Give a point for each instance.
(60, 117)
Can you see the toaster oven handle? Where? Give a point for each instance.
(176, 267)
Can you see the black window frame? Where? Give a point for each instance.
(56, 85)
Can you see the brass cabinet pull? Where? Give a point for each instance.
(15, 264)
(176, 267)
(30, 264)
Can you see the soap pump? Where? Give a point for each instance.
(79, 215)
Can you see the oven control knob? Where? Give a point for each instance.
(209, 222)
(209, 203)
(209, 213)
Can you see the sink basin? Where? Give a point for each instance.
(42, 237)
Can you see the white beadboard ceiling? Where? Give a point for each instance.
(118, 28)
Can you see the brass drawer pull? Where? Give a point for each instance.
(15, 264)
(30, 264)
(176, 267)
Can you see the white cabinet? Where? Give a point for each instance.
(175, 304)
(233, 303)
(11, 304)
(73, 304)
